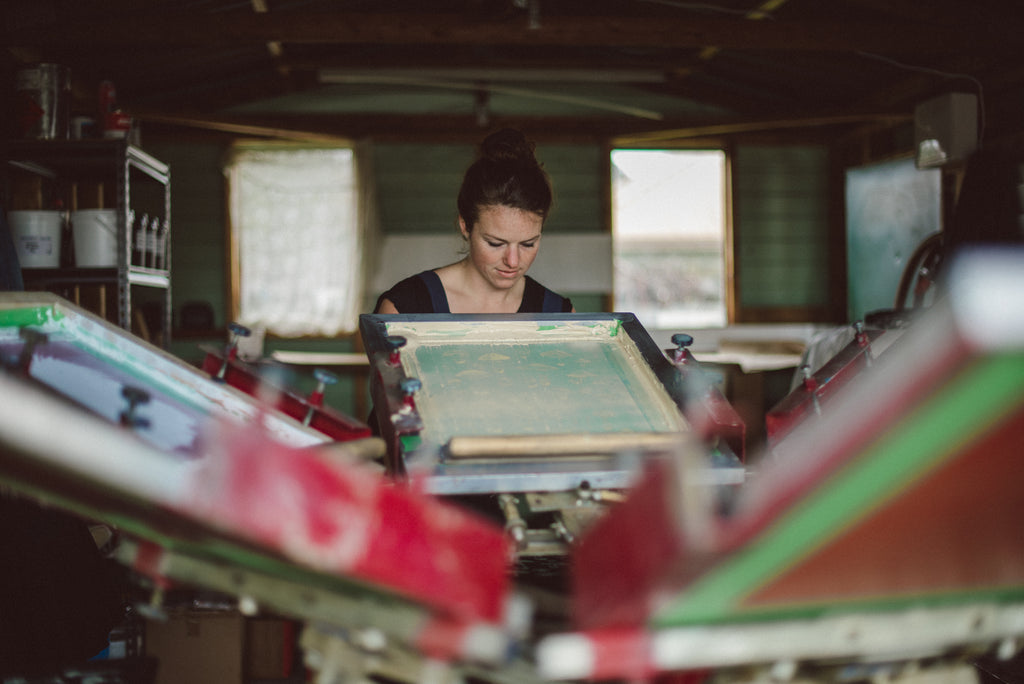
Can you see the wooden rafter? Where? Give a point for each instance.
(435, 29)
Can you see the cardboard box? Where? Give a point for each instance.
(269, 648)
(197, 647)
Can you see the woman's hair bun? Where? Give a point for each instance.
(508, 145)
(506, 174)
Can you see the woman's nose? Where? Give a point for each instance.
(512, 255)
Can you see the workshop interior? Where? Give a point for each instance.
(775, 439)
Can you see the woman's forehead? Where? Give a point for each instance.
(499, 220)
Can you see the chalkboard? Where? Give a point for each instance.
(890, 209)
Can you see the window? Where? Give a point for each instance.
(669, 237)
(297, 239)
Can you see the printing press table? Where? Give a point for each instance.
(550, 415)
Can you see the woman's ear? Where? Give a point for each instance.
(463, 229)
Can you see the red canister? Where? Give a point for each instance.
(107, 98)
(43, 101)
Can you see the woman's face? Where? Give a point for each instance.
(503, 243)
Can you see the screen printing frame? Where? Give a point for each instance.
(180, 398)
(525, 466)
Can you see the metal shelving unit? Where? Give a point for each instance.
(142, 200)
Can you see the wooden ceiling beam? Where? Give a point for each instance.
(455, 126)
(758, 126)
(577, 31)
(954, 74)
(944, 12)
(437, 128)
(255, 87)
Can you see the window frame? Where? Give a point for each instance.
(233, 266)
(728, 238)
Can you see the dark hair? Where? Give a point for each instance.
(505, 174)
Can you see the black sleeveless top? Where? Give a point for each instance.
(424, 293)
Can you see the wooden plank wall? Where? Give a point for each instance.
(198, 236)
(781, 221)
(781, 224)
(781, 214)
(418, 184)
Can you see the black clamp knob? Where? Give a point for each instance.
(409, 387)
(394, 344)
(32, 338)
(316, 397)
(682, 341)
(323, 379)
(237, 331)
(135, 396)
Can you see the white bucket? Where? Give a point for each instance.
(37, 236)
(95, 232)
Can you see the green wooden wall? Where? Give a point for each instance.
(418, 184)
(780, 204)
(198, 236)
(781, 214)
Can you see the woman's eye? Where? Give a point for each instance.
(529, 245)
(494, 244)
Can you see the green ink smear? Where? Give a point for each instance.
(22, 317)
(409, 442)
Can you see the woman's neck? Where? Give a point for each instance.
(469, 292)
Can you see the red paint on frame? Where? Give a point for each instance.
(351, 521)
(956, 529)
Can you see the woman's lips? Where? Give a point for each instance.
(507, 274)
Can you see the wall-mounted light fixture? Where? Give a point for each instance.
(945, 129)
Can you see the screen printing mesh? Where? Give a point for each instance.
(530, 379)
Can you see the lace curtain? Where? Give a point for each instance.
(298, 238)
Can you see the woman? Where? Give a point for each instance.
(504, 200)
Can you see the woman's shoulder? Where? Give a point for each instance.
(414, 294)
(539, 299)
(407, 294)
